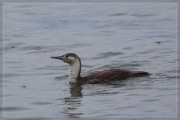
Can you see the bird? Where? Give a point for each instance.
(105, 76)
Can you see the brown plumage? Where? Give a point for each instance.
(111, 75)
(97, 77)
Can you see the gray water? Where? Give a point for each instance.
(126, 36)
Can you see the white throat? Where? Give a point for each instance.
(75, 69)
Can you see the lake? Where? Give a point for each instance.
(104, 35)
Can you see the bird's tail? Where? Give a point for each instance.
(140, 74)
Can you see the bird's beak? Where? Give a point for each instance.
(58, 57)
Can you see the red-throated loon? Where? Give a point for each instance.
(98, 77)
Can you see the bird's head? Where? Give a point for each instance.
(69, 58)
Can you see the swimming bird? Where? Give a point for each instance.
(97, 77)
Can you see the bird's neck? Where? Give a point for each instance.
(75, 70)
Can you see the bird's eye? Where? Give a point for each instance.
(66, 56)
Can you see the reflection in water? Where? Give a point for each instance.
(75, 90)
(74, 101)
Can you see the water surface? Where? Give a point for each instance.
(126, 36)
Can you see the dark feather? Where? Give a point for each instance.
(111, 75)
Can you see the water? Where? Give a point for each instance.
(126, 36)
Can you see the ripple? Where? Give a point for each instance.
(7, 75)
(107, 55)
(137, 94)
(131, 65)
(148, 51)
(13, 46)
(61, 78)
(142, 15)
(30, 13)
(41, 103)
(32, 48)
(30, 118)
(14, 62)
(118, 14)
(87, 66)
(13, 109)
(19, 35)
(127, 48)
(77, 45)
(24, 6)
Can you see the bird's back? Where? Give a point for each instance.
(111, 75)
